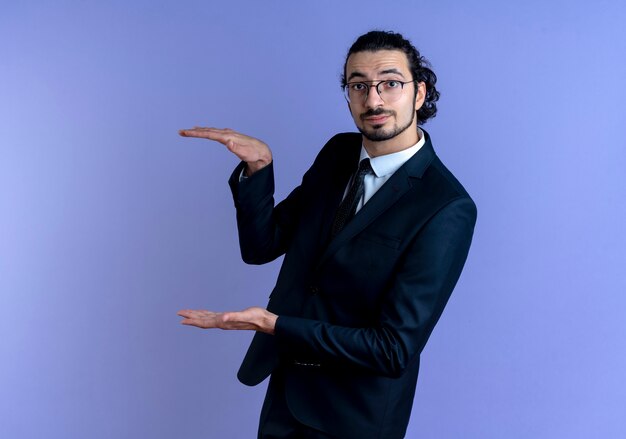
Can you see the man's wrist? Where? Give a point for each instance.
(252, 167)
(268, 323)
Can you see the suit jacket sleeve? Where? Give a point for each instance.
(265, 230)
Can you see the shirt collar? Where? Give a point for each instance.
(388, 164)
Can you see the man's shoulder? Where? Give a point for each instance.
(341, 146)
(444, 176)
(436, 174)
(341, 139)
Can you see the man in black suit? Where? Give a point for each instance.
(374, 238)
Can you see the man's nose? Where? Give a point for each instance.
(373, 99)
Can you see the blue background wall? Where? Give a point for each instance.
(110, 222)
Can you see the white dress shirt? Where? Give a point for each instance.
(384, 166)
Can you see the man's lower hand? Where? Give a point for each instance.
(254, 318)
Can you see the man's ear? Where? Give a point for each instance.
(420, 96)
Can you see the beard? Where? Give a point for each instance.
(377, 133)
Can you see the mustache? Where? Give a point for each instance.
(376, 112)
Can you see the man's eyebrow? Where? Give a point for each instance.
(388, 71)
(357, 74)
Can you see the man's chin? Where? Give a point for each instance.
(377, 134)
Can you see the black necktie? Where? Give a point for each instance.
(347, 207)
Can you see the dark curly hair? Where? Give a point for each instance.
(419, 66)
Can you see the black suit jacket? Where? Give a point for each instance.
(355, 311)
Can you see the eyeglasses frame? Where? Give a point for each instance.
(373, 84)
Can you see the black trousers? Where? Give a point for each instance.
(276, 421)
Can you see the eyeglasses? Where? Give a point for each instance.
(388, 90)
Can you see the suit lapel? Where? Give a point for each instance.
(342, 171)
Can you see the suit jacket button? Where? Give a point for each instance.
(313, 289)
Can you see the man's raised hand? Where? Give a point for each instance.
(254, 152)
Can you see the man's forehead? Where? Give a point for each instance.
(368, 62)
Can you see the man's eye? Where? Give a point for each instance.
(358, 87)
(392, 84)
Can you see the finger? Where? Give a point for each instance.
(214, 131)
(209, 129)
(198, 322)
(197, 128)
(186, 313)
(198, 131)
(193, 314)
